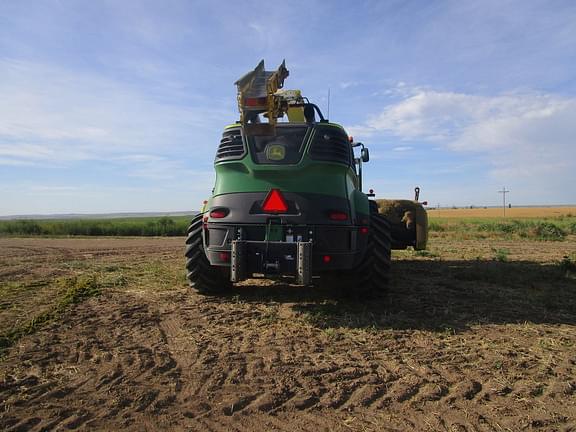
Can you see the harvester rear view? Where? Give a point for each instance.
(287, 202)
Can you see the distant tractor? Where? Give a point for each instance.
(288, 201)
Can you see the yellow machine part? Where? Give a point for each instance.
(296, 114)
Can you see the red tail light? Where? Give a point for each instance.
(326, 259)
(224, 256)
(219, 213)
(274, 202)
(338, 216)
(363, 230)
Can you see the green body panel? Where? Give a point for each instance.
(306, 176)
(359, 203)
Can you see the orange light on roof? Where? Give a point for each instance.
(274, 202)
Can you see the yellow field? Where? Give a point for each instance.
(514, 212)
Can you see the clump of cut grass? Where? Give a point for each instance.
(78, 289)
(270, 316)
(501, 255)
(503, 227)
(322, 316)
(549, 231)
(340, 315)
(331, 333)
(161, 275)
(74, 290)
(425, 253)
(437, 226)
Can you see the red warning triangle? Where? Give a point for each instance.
(274, 202)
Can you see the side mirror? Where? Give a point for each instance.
(365, 154)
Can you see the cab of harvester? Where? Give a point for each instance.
(287, 201)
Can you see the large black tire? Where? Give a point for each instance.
(381, 252)
(371, 277)
(203, 277)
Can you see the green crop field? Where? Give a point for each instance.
(547, 228)
(133, 226)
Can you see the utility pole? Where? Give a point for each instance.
(504, 192)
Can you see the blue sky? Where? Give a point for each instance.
(109, 106)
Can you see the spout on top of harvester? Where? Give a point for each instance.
(260, 92)
(255, 83)
(257, 95)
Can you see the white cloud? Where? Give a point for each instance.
(521, 134)
(14, 162)
(347, 84)
(262, 35)
(25, 151)
(55, 189)
(51, 114)
(402, 148)
(167, 169)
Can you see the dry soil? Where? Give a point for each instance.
(463, 341)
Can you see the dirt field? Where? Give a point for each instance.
(514, 212)
(468, 339)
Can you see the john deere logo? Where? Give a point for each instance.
(276, 152)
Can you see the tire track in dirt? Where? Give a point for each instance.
(187, 361)
(145, 360)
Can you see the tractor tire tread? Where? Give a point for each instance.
(202, 277)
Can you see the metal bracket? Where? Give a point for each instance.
(238, 261)
(304, 263)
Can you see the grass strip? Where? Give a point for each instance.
(141, 227)
(543, 229)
